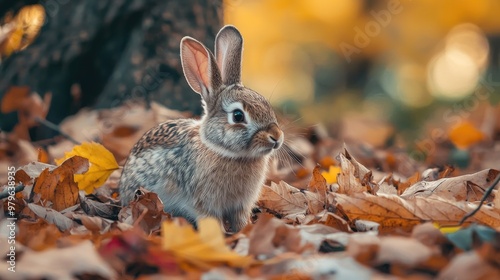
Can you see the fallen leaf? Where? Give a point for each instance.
(58, 186)
(51, 216)
(283, 199)
(351, 176)
(392, 211)
(331, 175)
(14, 98)
(60, 263)
(465, 134)
(469, 265)
(102, 164)
(47, 235)
(469, 187)
(203, 249)
(270, 237)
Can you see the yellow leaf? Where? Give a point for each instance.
(331, 175)
(102, 164)
(465, 135)
(25, 28)
(204, 249)
(446, 229)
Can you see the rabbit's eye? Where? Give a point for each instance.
(238, 116)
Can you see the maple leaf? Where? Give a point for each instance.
(204, 249)
(102, 164)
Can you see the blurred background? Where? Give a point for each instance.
(415, 75)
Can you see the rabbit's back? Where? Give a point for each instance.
(160, 159)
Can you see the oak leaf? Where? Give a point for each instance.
(102, 164)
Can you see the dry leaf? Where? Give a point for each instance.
(51, 216)
(270, 236)
(469, 265)
(64, 263)
(283, 199)
(395, 212)
(58, 186)
(102, 164)
(203, 249)
(469, 187)
(349, 179)
(14, 98)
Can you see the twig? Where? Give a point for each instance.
(5, 193)
(55, 127)
(485, 196)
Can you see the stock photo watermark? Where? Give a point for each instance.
(363, 36)
(455, 115)
(11, 219)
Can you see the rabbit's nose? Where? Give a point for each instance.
(275, 136)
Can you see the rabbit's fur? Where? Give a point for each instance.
(215, 166)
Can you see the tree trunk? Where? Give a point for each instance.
(103, 52)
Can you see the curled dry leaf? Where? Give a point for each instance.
(469, 187)
(354, 178)
(146, 211)
(58, 186)
(96, 208)
(270, 237)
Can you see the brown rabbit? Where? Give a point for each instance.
(217, 165)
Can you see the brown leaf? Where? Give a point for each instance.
(469, 265)
(146, 211)
(96, 208)
(51, 216)
(63, 263)
(283, 199)
(335, 221)
(14, 98)
(46, 235)
(270, 236)
(415, 178)
(350, 179)
(456, 188)
(317, 183)
(58, 186)
(395, 212)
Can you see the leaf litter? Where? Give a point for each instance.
(338, 219)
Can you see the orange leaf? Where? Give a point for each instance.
(465, 135)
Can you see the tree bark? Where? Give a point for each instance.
(103, 52)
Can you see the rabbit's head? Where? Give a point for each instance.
(237, 122)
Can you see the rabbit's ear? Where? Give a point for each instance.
(228, 48)
(200, 69)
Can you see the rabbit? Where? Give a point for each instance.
(214, 166)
